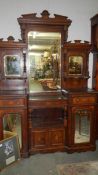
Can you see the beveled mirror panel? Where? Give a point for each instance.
(44, 52)
(82, 126)
(12, 65)
(75, 65)
(12, 123)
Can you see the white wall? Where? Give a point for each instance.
(79, 11)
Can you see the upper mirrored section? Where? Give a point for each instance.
(44, 52)
(44, 35)
(13, 59)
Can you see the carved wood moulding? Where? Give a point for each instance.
(77, 44)
(11, 43)
(45, 17)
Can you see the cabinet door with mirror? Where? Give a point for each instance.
(84, 130)
(82, 120)
(15, 122)
(44, 36)
(81, 128)
(12, 123)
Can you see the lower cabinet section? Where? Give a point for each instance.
(49, 133)
(50, 126)
(81, 129)
(47, 140)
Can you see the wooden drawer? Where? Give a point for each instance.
(12, 102)
(84, 100)
(49, 103)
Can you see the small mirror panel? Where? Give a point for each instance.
(75, 65)
(12, 65)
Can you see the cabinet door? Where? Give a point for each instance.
(57, 137)
(39, 138)
(83, 118)
(15, 121)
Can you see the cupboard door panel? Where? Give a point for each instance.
(57, 137)
(39, 138)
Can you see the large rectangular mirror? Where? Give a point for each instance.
(44, 52)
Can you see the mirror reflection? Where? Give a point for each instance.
(75, 65)
(12, 123)
(12, 65)
(44, 52)
(82, 126)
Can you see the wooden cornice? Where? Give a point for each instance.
(44, 19)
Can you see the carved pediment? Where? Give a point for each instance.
(45, 17)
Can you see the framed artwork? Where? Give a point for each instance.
(9, 150)
(12, 65)
(75, 65)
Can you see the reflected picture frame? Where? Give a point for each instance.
(75, 66)
(12, 65)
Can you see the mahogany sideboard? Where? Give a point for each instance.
(44, 94)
